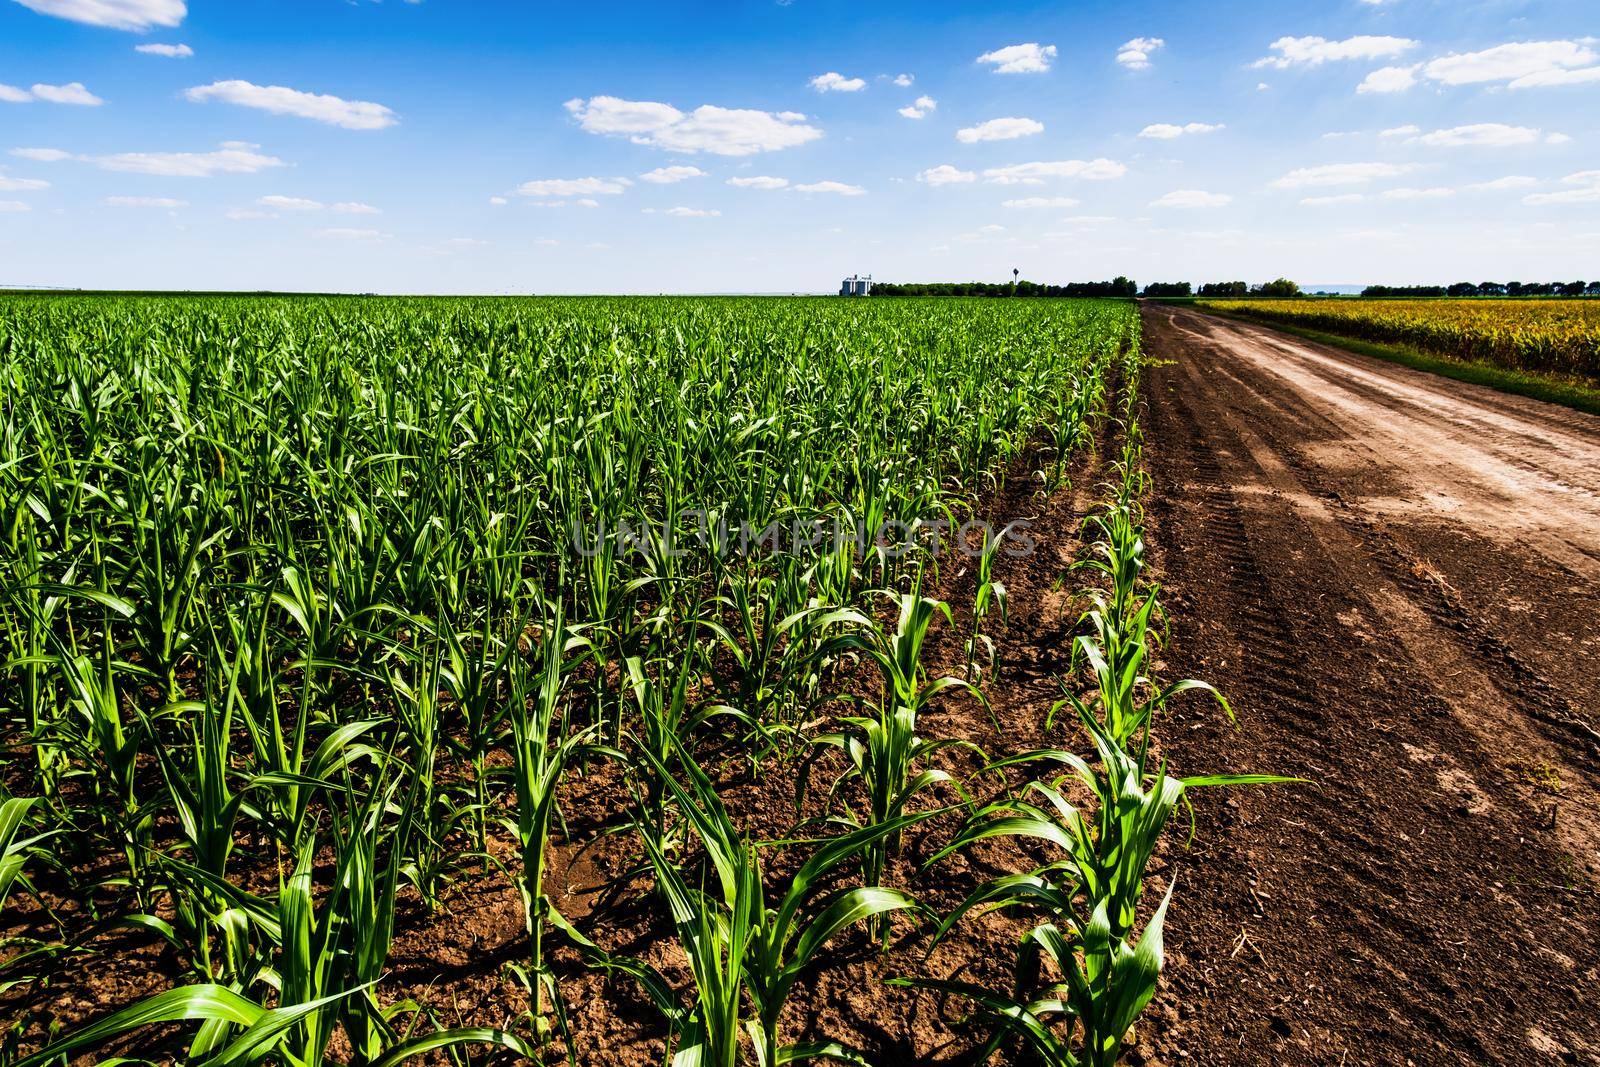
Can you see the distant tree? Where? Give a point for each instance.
(1462, 289)
(1167, 289)
(1225, 289)
(1382, 291)
(1592, 289)
(1278, 287)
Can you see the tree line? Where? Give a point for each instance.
(1487, 289)
(1118, 286)
(1280, 287)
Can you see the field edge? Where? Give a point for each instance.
(1535, 386)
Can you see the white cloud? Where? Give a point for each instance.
(245, 214)
(834, 82)
(70, 93)
(289, 203)
(498, 201)
(1510, 181)
(1031, 58)
(1007, 129)
(1315, 51)
(945, 174)
(1166, 131)
(920, 107)
(1342, 174)
(1557, 138)
(41, 155)
(687, 212)
(1437, 193)
(1036, 173)
(144, 201)
(1135, 54)
(574, 187)
(1544, 78)
(587, 202)
(760, 181)
(1040, 201)
(21, 185)
(233, 157)
(1588, 195)
(837, 188)
(346, 233)
(1389, 80)
(12, 207)
(279, 100)
(718, 130)
(1192, 198)
(1481, 135)
(10, 94)
(1524, 64)
(904, 80)
(170, 51)
(116, 14)
(351, 207)
(1587, 191)
(466, 242)
(1407, 130)
(1330, 201)
(669, 175)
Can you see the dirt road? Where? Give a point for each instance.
(1396, 578)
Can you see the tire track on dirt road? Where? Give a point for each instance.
(1397, 589)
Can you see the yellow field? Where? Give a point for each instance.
(1556, 336)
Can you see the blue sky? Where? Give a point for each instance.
(484, 146)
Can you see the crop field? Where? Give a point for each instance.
(1559, 337)
(457, 678)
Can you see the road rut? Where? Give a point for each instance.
(1396, 578)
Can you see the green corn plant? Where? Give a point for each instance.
(261, 1039)
(207, 809)
(476, 674)
(777, 662)
(666, 717)
(542, 750)
(883, 751)
(325, 952)
(747, 950)
(431, 817)
(18, 848)
(101, 736)
(989, 596)
(1100, 976)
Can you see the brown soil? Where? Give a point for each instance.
(1396, 578)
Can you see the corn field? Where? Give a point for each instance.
(314, 609)
(1554, 336)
